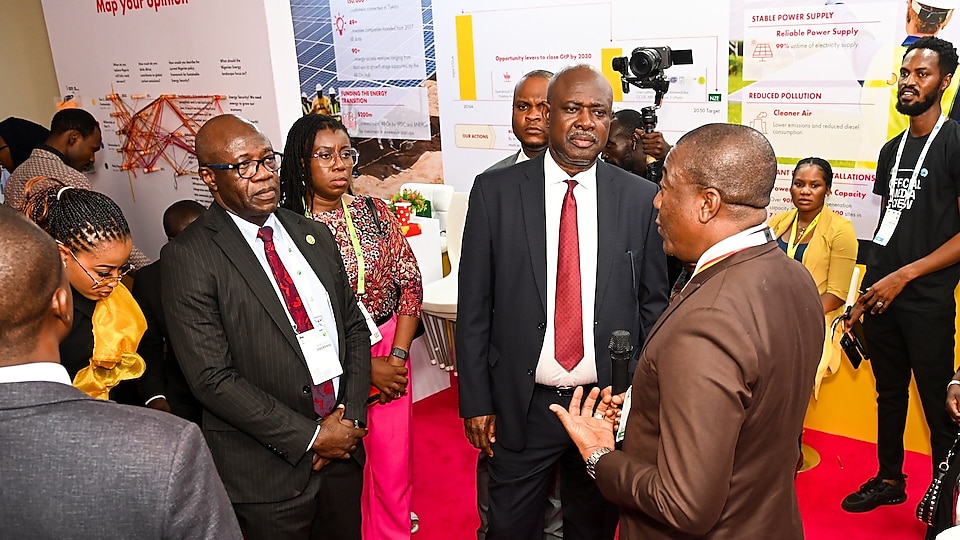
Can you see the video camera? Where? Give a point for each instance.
(647, 65)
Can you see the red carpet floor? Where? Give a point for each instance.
(445, 499)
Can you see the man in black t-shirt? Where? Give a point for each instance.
(908, 304)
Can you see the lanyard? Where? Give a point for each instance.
(352, 231)
(794, 241)
(923, 155)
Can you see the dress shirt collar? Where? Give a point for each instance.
(35, 372)
(54, 151)
(553, 174)
(250, 230)
(752, 237)
(521, 157)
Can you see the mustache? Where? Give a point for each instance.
(583, 135)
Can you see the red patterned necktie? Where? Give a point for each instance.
(568, 309)
(324, 398)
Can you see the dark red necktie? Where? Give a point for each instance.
(324, 398)
(568, 310)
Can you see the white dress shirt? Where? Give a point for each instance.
(315, 298)
(35, 372)
(549, 371)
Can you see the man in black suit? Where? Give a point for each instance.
(163, 381)
(559, 252)
(528, 122)
(77, 467)
(272, 344)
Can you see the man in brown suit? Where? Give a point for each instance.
(725, 374)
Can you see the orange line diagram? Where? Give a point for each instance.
(163, 129)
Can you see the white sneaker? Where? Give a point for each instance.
(414, 522)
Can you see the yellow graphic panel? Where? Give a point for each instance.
(465, 58)
(612, 75)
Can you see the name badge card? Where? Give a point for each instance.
(891, 218)
(321, 359)
(375, 335)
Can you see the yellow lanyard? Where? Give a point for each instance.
(352, 231)
(794, 241)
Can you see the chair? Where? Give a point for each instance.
(439, 196)
(439, 310)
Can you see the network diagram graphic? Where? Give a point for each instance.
(162, 130)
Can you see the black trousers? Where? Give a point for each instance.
(520, 482)
(329, 509)
(900, 341)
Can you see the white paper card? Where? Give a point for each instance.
(627, 399)
(322, 360)
(889, 224)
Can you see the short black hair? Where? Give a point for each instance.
(945, 50)
(823, 164)
(630, 120)
(296, 181)
(179, 212)
(22, 136)
(25, 251)
(73, 119)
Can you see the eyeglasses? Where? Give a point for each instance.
(348, 156)
(105, 278)
(248, 168)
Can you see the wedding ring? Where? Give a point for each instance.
(880, 303)
(598, 416)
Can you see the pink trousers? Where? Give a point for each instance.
(388, 473)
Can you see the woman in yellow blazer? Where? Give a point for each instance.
(824, 242)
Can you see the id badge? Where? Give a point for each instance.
(322, 361)
(375, 335)
(627, 400)
(891, 218)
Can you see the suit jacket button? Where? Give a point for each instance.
(530, 372)
(542, 326)
(306, 389)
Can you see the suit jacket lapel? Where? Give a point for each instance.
(533, 207)
(608, 215)
(294, 224)
(227, 236)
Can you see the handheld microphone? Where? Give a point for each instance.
(621, 350)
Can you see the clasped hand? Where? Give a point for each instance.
(388, 374)
(338, 437)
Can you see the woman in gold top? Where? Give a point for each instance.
(824, 242)
(95, 244)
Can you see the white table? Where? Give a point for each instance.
(427, 379)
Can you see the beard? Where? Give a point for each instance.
(918, 108)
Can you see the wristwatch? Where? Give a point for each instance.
(594, 458)
(399, 353)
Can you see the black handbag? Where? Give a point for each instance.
(927, 508)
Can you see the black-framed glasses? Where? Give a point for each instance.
(349, 156)
(105, 278)
(248, 168)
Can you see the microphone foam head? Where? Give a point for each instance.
(620, 341)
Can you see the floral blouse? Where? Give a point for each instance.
(392, 278)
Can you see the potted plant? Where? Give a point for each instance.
(418, 203)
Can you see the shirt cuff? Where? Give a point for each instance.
(314, 439)
(158, 396)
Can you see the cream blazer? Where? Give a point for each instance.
(830, 257)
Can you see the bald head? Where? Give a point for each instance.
(31, 276)
(219, 131)
(179, 215)
(736, 160)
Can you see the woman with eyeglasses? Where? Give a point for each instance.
(314, 180)
(95, 245)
